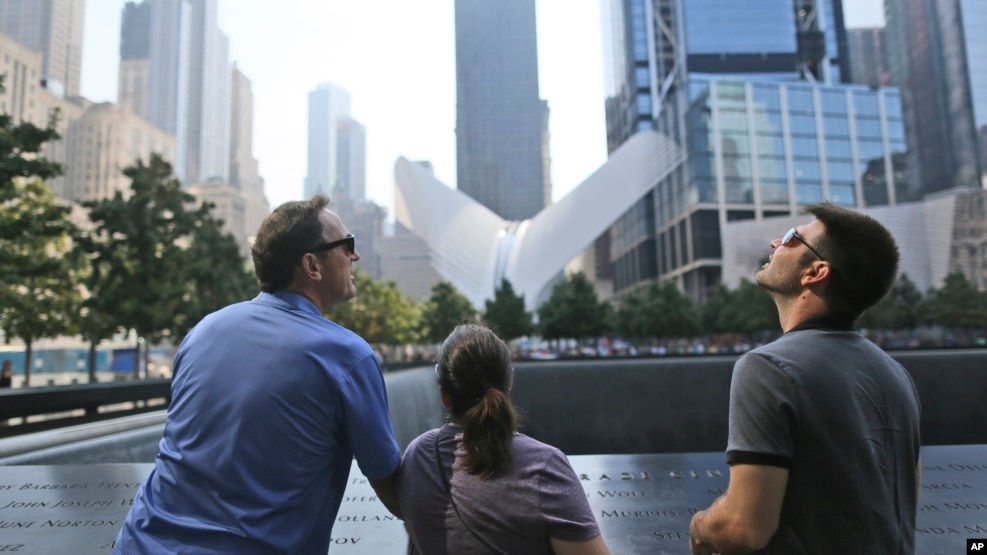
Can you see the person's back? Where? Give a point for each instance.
(476, 485)
(854, 415)
(270, 404)
(517, 512)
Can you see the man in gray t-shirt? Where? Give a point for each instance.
(823, 439)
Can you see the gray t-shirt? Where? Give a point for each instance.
(539, 497)
(843, 417)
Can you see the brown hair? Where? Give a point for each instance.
(863, 255)
(291, 230)
(474, 369)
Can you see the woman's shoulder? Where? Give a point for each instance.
(527, 445)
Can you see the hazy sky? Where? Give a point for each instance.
(397, 60)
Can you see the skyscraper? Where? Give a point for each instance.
(937, 54)
(53, 27)
(351, 159)
(327, 106)
(175, 72)
(501, 123)
(752, 92)
(868, 64)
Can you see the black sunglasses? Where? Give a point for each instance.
(793, 234)
(349, 241)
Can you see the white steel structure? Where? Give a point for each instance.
(474, 249)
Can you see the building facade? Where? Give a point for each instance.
(245, 178)
(933, 49)
(105, 139)
(501, 123)
(753, 94)
(328, 104)
(54, 28)
(868, 63)
(351, 160)
(175, 72)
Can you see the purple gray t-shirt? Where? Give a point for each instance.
(539, 497)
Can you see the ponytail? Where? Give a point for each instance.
(488, 430)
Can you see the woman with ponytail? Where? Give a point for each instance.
(476, 485)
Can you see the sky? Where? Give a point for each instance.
(397, 60)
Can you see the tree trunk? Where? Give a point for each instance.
(92, 359)
(137, 359)
(27, 362)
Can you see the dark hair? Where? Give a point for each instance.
(287, 233)
(863, 255)
(474, 369)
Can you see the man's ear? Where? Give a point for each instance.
(817, 273)
(310, 266)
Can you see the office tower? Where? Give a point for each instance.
(351, 159)
(752, 93)
(501, 123)
(174, 71)
(938, 56)
(868, 64)
(53, 27)
(244, 176)
(327, 106)
(208, 124)
(103, 140)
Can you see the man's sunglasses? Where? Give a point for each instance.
(793, 234)
(349, 241)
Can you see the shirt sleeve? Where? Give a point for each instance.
(763, 413)
(366, 422)
(563, 502)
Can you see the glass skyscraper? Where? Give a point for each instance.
(752, 91)
(501, 123)
(937, 54)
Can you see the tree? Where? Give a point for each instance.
(216, 273)
(444, 310)
(37, 292)
(505, 313)
(957, 304)
(898, 310)
(573, 311)
(142, 242)
(657, 310)
(20, 157)
(379, 313)
(750, 310)
(630, 319)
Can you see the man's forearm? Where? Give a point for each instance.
(387, 493)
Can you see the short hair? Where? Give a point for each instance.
(863, 255)
(474, 369)
(290, 231)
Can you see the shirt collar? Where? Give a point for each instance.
(825, 322)
(289, 300)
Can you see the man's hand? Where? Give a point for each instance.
(695, 541)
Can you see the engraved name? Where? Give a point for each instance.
(638, 514)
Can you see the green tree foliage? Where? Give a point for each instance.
(216, 274)
(34, 290)
(379, 313)
(20, 148)
(574, 311)
(37, 292)
(900, 309)
(957, 304)
(444, 310)
(657, 310)
(141, 238)
(505, 314)
(748, 309)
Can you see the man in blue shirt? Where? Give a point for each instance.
(270, 403)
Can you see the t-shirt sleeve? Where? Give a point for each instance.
(563, 502)
(366, 422)
(763, 413)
